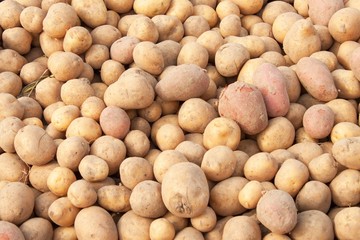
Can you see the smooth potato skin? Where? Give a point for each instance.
(244, 103)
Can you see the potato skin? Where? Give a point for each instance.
(346, 152)
(346, 224)
(244, 103)
(9, 230)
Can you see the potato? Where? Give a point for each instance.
(227, 191)
(318, 121)
(180, 9)
(251, 117)
(59, 180)
(183, 201)
(229, 67)
(169, 136)
(164, 160)
(93, 168)
(250, 194)
(254, 44)
(274, 57)
(354, 56)
(193, 53)
(37, 228)
(195, 26)
(132, 226)
(115, 198)
(134, 170)
(212, 41)
(121, 50)
(58, 61)
(345, 188)
(9, 127)
(114, 122)
(323, 168)
(161, 229)
(323, 81)
(137, 143)
(283, 23)
(230, 25)
(95, 222)
(17, 202)
(260, 167)
(344, 130)
(55, 16)
(16, 169)
(275, 236)
(276, 210)
(32, 108)
(249, 146)
(148, 57)
(313, 224)
(347, 83)
(62, 212)
(77, 40)
(93, 14)
(42, 203)
(32, 152)
(84, 127)
(18, 39)
(63, 116)
(10, 83)
(225, 8)
(179, 223)
(345, 52)
(301, 33)
(222, 131)
(133, 90)
(190, 75)
(169, 27)
(314, 195)
(241, 227)
(9, 230)
(218, 163)
(62, 233)
(247, 71)
(143, 29)
(189, 233)
(70, 152)
(96, 55)
(11, 61)
(217, 231)
(10, 12)
(38, 175)
(291, 171)
(10, 106)
(318, 6)
(272, 10)
(98, 32)
(345, 151)
(167, 119)
(340, 24)
(344, 224)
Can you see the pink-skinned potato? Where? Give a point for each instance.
(272, 85)
(183, 82)
(244, 103)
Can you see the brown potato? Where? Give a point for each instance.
(345, 188)
(344, 225)
(18, 39)
(81, 194)
(115, 198)
(130, 225)
(37, 228)
(261, 167)
(11, 61)
(59, 180)
(241, 227)
(134, 170)
(10, 231)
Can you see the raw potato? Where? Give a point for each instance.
(241, 227)
(70, 152)
(345, 188)
(344, 224)
(151, 8)
(93, 168)
(38, 175)
(134, 170)
(62, 212)
(318, 121)
(114, 121)
(10, 106)
(164, 160)
(92, 13)
(250, 194)
(84, 127)
(161, 229)
(191, 196)
(37, 228)
(9, 230)
(345, 151)
(206, 221)
(276, 210)
(340, 24)
(261, 167)
(132, 226)
(323, 168)
(148, 57)
(114, 198)
(9, 126)
(229, 59)
(59, 180)
(189, 233)
(17, 170)
(81, 194)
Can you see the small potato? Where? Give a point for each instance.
(17, 202)
(63, 116)
(254, 44)
(241, 227)
(328, 58)
(318, 121)
(121, 50)
(99, 37)
(10, 106)
(137, 143)
(110, 71)
(81, 194)
(180, 9)
(96, 55)
(10, 12)
(164, 161)
(169, 136)
(249, 146)
(84, 127)
(131, 225)
(9, 230)
(207, 12)
(161, 229)
(93, 168)
(227, 191)
(148, 57)
(344, 110)
(204, 222)
(70, 152)
(59, 180)
(134, 170)
(18, 39)
(302, 136)
(248, 70)
(229, 59)
(230, 25)
(314, 195)
(345, 188)
(195, 26)
(47, 92)
(114, 198)
(323, 168)
(170, 51)
(313, 224)
(114, 122)
(340, 24)
(169, 27)
(32, 109)
(225, 8)
(151, 204)
(167, 119)
(261, 167)
(143, 29)
(40, 150)
(192, 192)
(151, 113)
(62, 212)
(282, 23)
(217, 231)
(16, 169)
(151, 8)
(62, 233)
(291, 171)
(37, 228)
(251, 117)
(42, 203)
(11, 61)
(344, 130)
(139, 123)
(95, 222)
(250, 194)
(275, 236)
(77, 40)
(61, 15)
(92, 13)
(282, 217)
(190, 75)
(92, 107)
(347, 83)
(279, 128)
(305, 151)
(193, 53)
(58, 61)
(222, 131)
(345, 151)
(344, 224)
(218, 163)
(10, 83)
(9, 127)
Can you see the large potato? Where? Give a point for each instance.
(191, 196)
(92, 13)
(346, 225)
(345, 151)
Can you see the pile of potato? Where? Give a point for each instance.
(179, 119)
